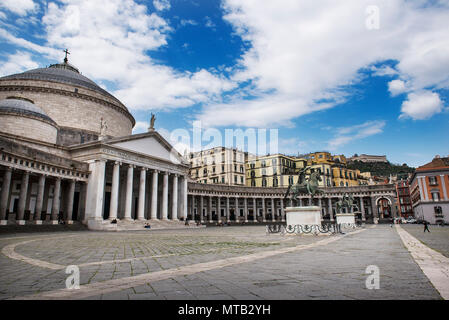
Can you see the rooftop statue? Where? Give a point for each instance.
(152, 120)
(307, 186)
(103, 127)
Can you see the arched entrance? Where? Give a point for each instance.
(384, 208)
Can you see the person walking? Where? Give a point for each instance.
(426, 226)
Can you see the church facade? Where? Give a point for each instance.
(67, 153)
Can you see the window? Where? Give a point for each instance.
(275, 182)
(235, 179)
(222, 169)
(435, 196)
(241, 169)
(438, 211)
(264, 182)
(433, 181)
(222, 180)
(253, 183)
(241, 179)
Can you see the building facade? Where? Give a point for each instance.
(218, 165)
(429, 187)
(404, 200)
(368, 158)
(67, 153)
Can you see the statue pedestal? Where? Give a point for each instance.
(345, 218)
(310, 215)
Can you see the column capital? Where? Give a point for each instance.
(131, 166)
(119, 163)
(143, 169)
(156, 171)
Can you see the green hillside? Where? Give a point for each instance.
(383, 169)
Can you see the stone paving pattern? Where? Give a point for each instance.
(437, 239)
(332, 271)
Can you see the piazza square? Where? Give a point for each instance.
(138, 164)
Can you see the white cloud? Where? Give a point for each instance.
(302, 53)
(185, 22)
(113, 46)
(20, 7)
(421, 105)
(17, 62)
(396, 87)
(383, 71)
(209, 23)
(161, 5)
(141, 127)
(355, 132)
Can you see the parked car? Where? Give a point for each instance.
(411, 220)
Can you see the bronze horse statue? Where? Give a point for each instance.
(348, 203)
(309, 186)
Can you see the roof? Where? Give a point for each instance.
(23, 107)
(436, 163)
(61, 72)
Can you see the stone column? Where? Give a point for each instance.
(165, 196)
(4, 199)
(255, 209)
(227, 210)
(210, 209)
(22, 198)
(290, 201)
(236, 209)
(114, 191)
(245, 208)
(201, 208)
(192, 207)
(329, 206)
(82, 202)
(95, 191)
(282, 210)
(184, 197)
(263, 210)
(70, 199)
(142, 185)
(56, 201)
(362, 209)
(218, 209)
(174, 198)
(375, 211)
(154, 195)
(129, 193)
(300, 202)
(39, 199)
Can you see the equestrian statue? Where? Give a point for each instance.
(307, 186)
(348, 203)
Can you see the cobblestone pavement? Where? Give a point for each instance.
(212, 263)
(437, 239)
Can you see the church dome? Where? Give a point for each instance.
(74, 102)
(23, 107)
(61, 72)
(21, 117)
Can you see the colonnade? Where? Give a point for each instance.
(135, 192)
(53, 199)
(223, 208)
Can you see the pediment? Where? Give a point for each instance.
(151, 145)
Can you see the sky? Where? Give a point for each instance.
(347, 77)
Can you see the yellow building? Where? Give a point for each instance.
(280, 171)
(343, 177)
(270, 170)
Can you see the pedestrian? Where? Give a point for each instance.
(426, 226)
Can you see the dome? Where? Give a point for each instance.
(23, 107)
(61, 72)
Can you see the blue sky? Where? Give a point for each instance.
(343, 76)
